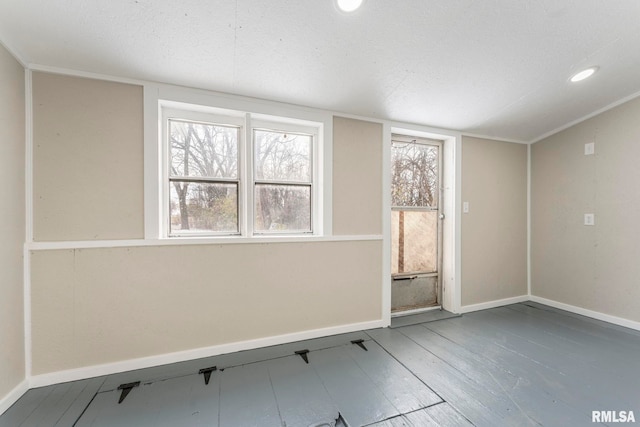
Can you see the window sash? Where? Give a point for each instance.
(203, 232)
(278, 129)
(308, 230)
(424, 143)
(170, 149)
(245, 181)
(292, 130)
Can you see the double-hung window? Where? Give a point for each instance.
(238, 174)
(282, 181)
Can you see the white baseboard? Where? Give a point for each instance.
(163, 359)
(13, 396)
(181, 356)
(493, 304)
(589, 313)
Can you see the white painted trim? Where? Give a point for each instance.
(362, 118)
(242, 103)
(28, 193)
(85, 74)
(245, 189)
(386, 223)
(422, 131)
(529, 219)
(587, 117)
(325, 181)
(18, 57)
(28, 341)
(163, 359)
(190, 241)
(152, 162)
(493, 304)
(12, 397)
(494, 138)
(456, 225)
(28, 167)
(631, 324)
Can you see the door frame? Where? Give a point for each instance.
(451, 208)
(412, 139)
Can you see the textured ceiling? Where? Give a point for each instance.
(498, 68)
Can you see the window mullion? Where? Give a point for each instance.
(248, 178)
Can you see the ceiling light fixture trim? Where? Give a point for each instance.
(349, 5)
(584, 74)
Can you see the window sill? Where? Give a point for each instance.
(188, 241)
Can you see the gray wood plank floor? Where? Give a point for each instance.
(415, 319)
(520, 365)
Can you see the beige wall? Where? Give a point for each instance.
(94, 306)
(105, 305)
(357, 177)
(596, 267)
(87, 157)
(12, 223)
(494, 232)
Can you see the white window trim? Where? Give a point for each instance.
(201, 103)
(231, 120)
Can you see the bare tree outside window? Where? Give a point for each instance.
(414, 199)
(283, 175)
(203, 177)
(414, 175)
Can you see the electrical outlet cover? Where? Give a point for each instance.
(589, 148)
(589, 219)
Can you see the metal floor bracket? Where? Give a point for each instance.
(340, 421)
(126, 389)
(207, 373)
(303, 354)
(360, 343)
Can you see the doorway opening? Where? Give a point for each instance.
(416, 224)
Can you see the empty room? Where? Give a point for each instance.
(319, 213)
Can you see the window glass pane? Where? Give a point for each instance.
(203, 150)
(414, 174)
(282, 157)
(282, 208)
(414, 242)
(203, 207)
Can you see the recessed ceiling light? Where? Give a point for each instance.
(349, 5)
(584, 74)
